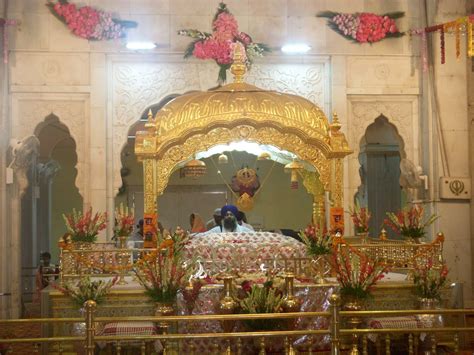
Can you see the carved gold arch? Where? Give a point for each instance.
(238, 111)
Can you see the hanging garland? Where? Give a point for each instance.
(363, 27)
(456, 27)
(219, 44)
(5, 23)
(89, 23)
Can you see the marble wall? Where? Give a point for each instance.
(100, 89)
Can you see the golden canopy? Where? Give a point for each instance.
(197, 121)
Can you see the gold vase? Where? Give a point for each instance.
(164, 309)
(319, 265)
(353, 304)
(227, 304)
(363, 236)
(123, 240)
(290, 302)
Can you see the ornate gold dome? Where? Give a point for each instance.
(239, 111)
(239, 104)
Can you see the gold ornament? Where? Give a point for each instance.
(245, 202)
(194, 168)
(264, 156)
(223, 159)
(247, 177)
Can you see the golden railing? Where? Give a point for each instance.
(107, 260)
(341, 330)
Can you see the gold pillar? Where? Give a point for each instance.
(314, 186)
(149, 187)
(338, 193)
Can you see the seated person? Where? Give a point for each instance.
(242, 220)
(45, 273)
(229, 221)
(216, 219)
(197, 224)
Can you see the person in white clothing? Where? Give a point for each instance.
(229, 221)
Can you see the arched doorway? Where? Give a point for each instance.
(381, 150)
(51, 192)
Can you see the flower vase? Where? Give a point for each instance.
(363, 237)
(319, 265)
(429, 320)
(164, 309)
(123, 241)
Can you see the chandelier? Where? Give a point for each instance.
(293, 168)
(194, 168)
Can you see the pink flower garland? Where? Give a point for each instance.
(6, 23)
(364, 27)
(219, 45)
(89, 23)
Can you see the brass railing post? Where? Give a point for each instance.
(90, 307)
(335, 305)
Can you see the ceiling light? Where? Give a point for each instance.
(140, 45)
(295, 48)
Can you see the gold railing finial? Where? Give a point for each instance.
(238, 67)
(335, 125)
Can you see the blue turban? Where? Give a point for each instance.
(228, 208)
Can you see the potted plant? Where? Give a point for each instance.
(318, 246)
(410, 222)
(84, 227)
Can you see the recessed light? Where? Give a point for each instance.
(295, 48)
(140, 45)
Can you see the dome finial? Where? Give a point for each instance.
(238, 67)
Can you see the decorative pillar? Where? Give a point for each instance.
(24, 153)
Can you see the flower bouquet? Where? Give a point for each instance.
(318, 246)
(124, 222)
(430, 280)
(164, 272)
(84, 228)
(86, 290)
(364, 27)
(261, 299)
(360, 217)
(356, 273)
(317, 243)
(409, 222)
(87, 22)
(218, 45)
